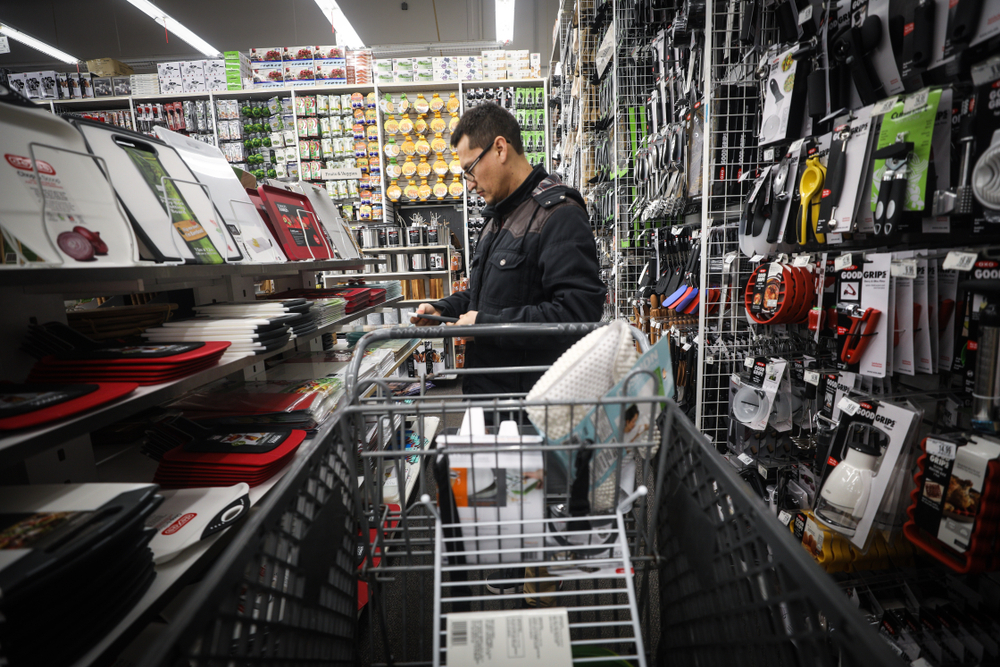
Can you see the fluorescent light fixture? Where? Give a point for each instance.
(38, 45)
(173, 27)
(346, 35)
(505, 20)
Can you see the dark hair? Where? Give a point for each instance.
(631, 413)
(484, 123)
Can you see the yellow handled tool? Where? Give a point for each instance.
(810, 187)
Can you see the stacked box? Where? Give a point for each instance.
(403, 70)
(193, 76)
(494, 65)
(266, 54)
(359, 66)
(267, 74)
(169, 77)
(536, 65)
(423, 69)
(469, 68)
(215, 75)
(237, 70)
(384, 70)
(331, 65)
(298, 66)
(518, 64)
(144, 84)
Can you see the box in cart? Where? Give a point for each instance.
(497, 487)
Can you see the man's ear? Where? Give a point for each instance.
(502, 147)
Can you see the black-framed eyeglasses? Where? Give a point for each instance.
(467, 173)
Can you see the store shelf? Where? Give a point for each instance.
(419, 87)
(402, 249)
(298, 90)
(177, 573)
(57, 280)
(17, 446)
(405, 275)
(87, 102)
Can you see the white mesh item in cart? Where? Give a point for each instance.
(585, 371)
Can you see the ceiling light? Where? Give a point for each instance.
(346, 35)
(28, 40)
(471, 47)
(173, 27)
(505, 20)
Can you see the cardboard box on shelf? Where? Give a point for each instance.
(193, 84)
(18, 82)
(297, 54)
(383, 66)
(106, 67)
(62, 85)
(85, 85)
(122, 86)
(423, 77)
(402, 65)
(267, 74)
(265, 54)
(402, 77)
(299, 75)
(103, 86)
(331, 71)
(386, 77)
(144, 84)
(328, 52)
(193, 69)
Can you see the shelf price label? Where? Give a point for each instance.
(960, 261)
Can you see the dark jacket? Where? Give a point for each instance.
(536, 261)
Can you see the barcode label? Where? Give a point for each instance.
(459, 633)
(518, 638)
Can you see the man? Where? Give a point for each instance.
(536, 260)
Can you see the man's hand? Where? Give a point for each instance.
(422, 309)
(465, 319)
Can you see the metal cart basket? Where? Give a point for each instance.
(693, 571)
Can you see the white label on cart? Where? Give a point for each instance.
(514, 638)
(848, 406)
(746, 459)
(960, 261)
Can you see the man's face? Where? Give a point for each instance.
(486, 177)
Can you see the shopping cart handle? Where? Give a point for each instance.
(473, 331)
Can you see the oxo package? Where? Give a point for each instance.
(188, 516)
(232, 205)
(82, 225)
(172, 215)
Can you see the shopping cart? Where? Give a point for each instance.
(696, 571)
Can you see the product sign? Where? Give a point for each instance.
(4, 44)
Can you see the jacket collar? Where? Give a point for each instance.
(537, 178)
